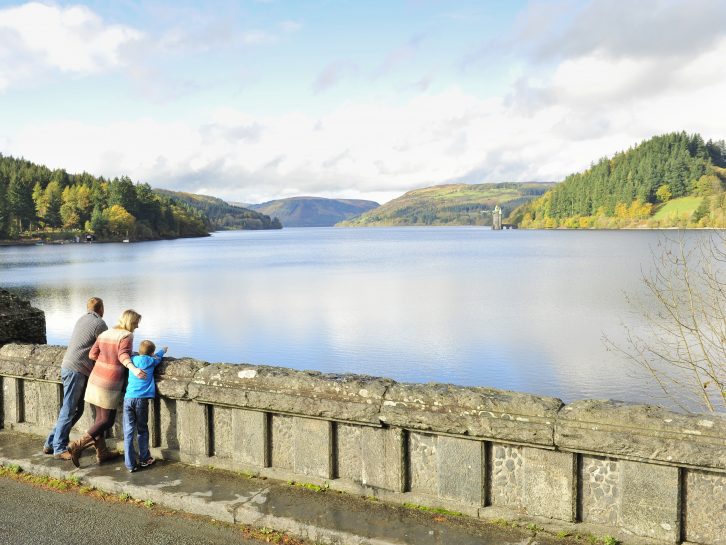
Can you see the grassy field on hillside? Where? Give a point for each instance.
(678, 208)
(451, 204)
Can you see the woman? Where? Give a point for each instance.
(112, 354)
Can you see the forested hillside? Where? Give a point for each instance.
(671, 180)
(453, 204)
(220, 214)
(37, 201)
(314, 211)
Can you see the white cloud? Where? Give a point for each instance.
(647, 28)
(378, 149)
(72, 40)
(591, 100)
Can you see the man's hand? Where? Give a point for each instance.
(140, 373)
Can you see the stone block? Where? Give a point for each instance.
(313, 447)
(382, 458)
(649, 505)
(192, 426)
(282, 442)
(41, 403)
(549, 483)
(534, 481)
(345, 397)
(482, 413)
(249, 437)
(371, 456)
(33, 361)
(221, 435)
(349, 464)
(600, 490)
(168, 424)
(642, 432)
(705, 507)
(29, 401)
(12, 403)
(447, 467)
(507, 476)
(173, 376)
(422, 463)
(460, 467)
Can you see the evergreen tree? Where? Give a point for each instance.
(20, 203)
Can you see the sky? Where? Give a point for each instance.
(253, 100)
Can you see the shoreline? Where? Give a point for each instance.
(41, 242)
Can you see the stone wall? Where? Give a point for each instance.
(633, 469)
(19, 321)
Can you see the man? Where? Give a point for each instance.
(75, 369)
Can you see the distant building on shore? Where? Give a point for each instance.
(497, 218)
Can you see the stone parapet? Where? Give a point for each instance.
(601, 427)
(637, 469)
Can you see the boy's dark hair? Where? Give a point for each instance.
(147, 348)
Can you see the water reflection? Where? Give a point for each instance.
(515, 309)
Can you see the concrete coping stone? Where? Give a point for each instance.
(473, 411)
(347, 397)
(647, 432)
(37, 361)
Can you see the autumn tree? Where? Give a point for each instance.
(664, 193)
(119, 221)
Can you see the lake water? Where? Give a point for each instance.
(520, 310)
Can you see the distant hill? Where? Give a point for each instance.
(222, 215)
(453, 204)
(672, 180)
(313, 211)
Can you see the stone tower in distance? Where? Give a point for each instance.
(497, 218)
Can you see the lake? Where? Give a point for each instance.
(519, 310)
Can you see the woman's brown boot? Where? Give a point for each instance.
(102, 452)
(76, 447)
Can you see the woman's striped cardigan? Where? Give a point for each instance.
(112, 352)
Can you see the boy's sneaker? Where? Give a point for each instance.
(47, 450)
(133, 469)
(147, 463)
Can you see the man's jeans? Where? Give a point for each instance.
(74, 386)
(136, 421)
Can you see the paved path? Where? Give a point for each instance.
(30, 515)
(321, 517)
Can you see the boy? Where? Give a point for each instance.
(136, 406)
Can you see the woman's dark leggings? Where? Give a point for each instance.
(105, 419)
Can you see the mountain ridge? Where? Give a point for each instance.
(303, 211)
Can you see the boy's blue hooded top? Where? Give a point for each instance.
(144, 388)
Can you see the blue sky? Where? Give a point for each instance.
(254, 100)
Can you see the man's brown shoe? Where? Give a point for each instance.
(47, 450)
(63, 456)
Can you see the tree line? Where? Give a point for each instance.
(633, 184)
(35, 200)
(220, 215)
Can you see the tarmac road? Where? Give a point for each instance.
(33, 516)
